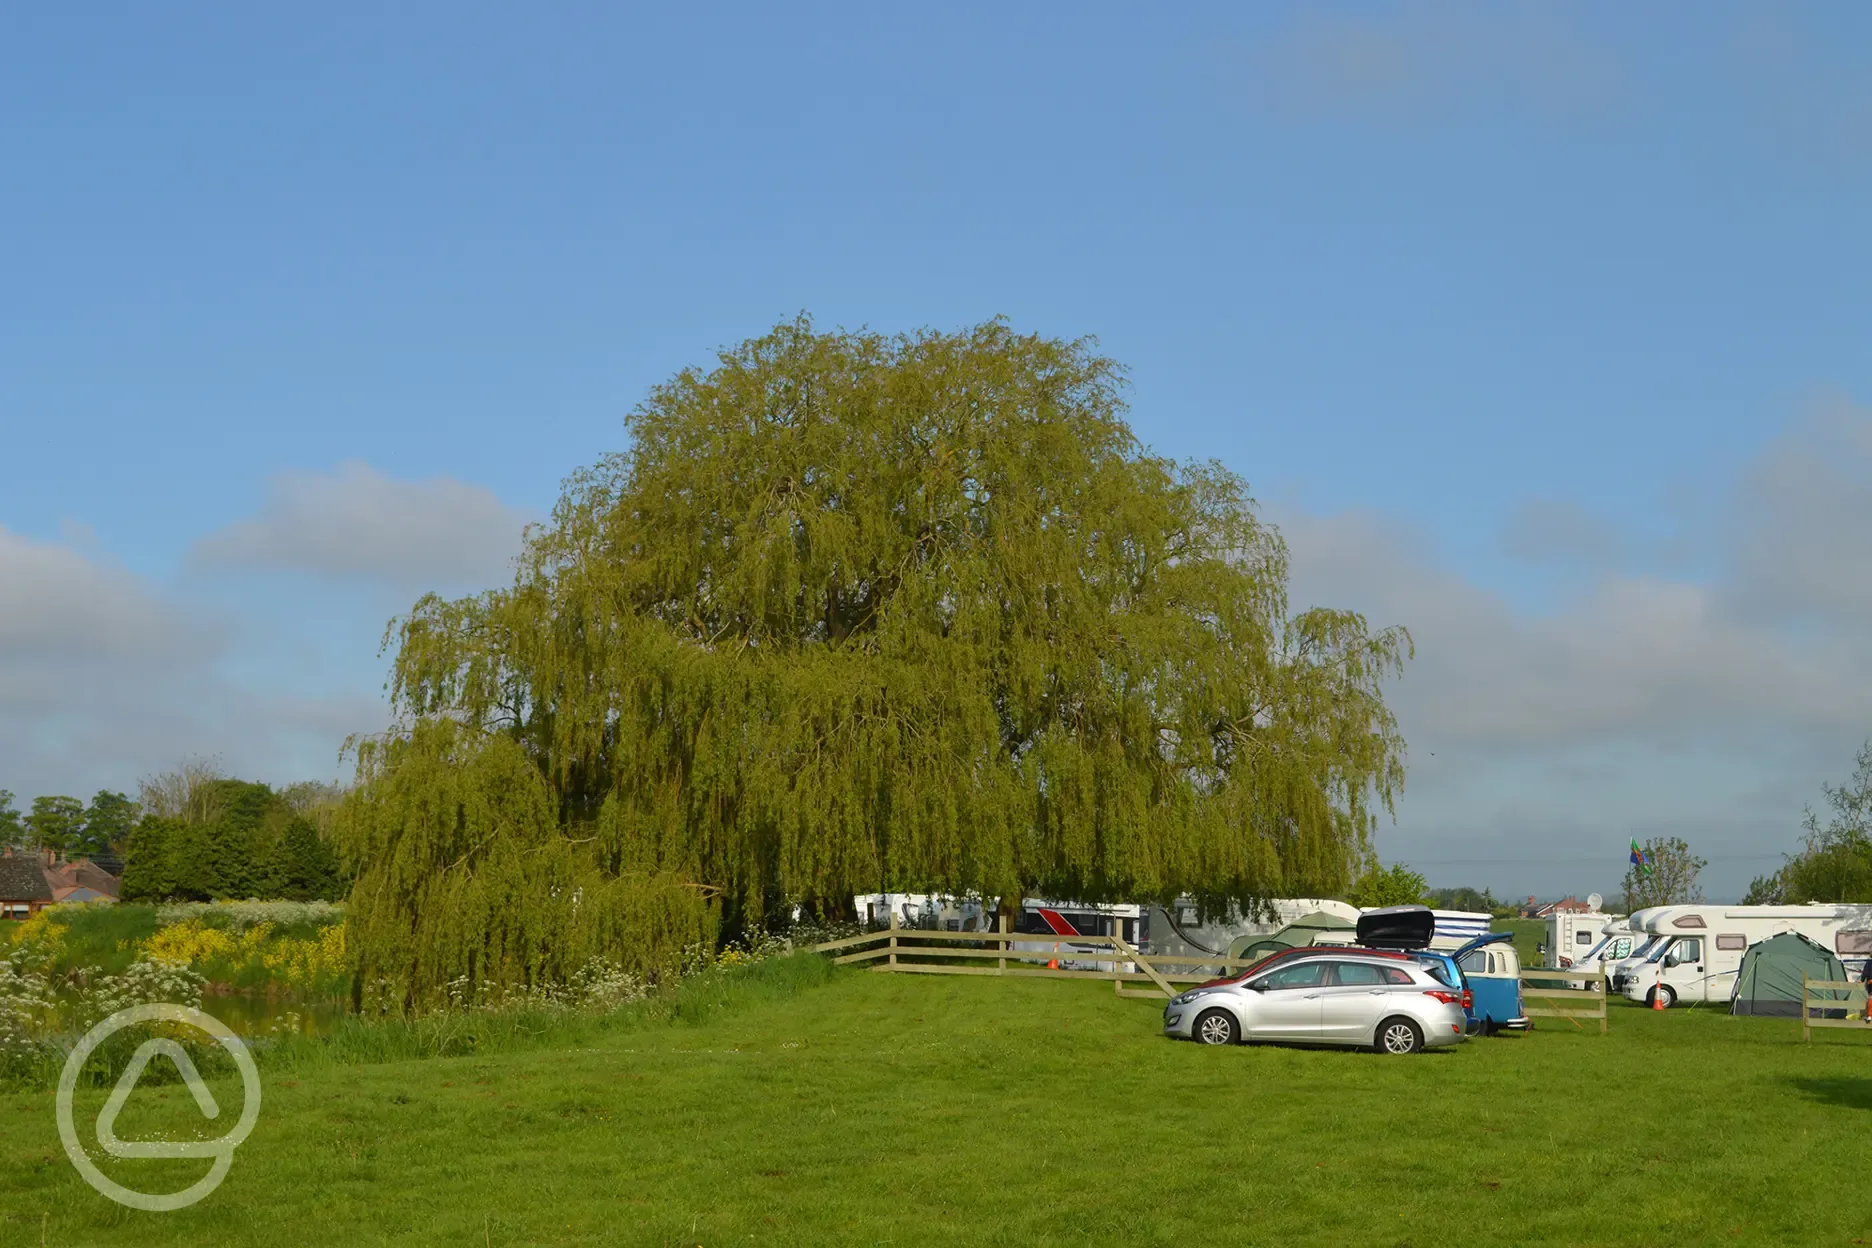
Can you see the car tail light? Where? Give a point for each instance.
(1468, 999)
(1444, 995)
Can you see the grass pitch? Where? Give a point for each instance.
(856, 1108)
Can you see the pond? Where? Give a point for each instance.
(256, 1016)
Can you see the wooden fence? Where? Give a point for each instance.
(1593, 998)
(1832, 1003)
(916, 951)
(1002, 952)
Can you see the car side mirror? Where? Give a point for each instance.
(1670, 959)
(1255, 986)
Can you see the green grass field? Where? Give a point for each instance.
(919, 1110)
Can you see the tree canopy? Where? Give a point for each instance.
(1835, 859)
(857, 612)
(236, 840)
(1670, 877)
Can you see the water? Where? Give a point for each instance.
(257, 1016)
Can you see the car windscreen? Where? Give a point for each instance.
(1655, 948)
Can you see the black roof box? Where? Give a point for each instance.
(1397, 927)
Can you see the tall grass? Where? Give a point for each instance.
(694, 1000)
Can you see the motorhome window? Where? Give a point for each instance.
(1475, 962)
(1655, 949)
(1688, 950)
(1731, 940)
(1186, 915)
(1582, 937)
(1690, 920)
(1852, 942)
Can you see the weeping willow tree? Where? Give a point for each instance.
(468, 882)
(858, 612)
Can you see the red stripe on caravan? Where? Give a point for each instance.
(1058, 923)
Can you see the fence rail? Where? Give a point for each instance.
(1841, 1003)
(916, 951)
(1593, 997)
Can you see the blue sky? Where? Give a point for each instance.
(1539, 330)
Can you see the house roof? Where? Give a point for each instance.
(23, 879)
(83, 874)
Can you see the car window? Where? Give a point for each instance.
(1308, 974)
(1689, 950)
(1439, 971)
(1359, 974)
(1397, 975)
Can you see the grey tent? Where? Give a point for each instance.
(1770, 980)
(1302, 931)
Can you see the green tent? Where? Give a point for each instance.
(1770, 980)
(1302, 931)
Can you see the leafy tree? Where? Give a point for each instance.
(860, 612)
(12, 827)
(1835, 860)
(301, 866)
(56, 822)
(1476, 901)
(250, 844)
(107, 823)
(187, 791)
(1668, 879)
(468, 881)
(1396, 885)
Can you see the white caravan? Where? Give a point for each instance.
(1692, 953)
(1572, 938)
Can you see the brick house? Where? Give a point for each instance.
(29, 882)
(1547, 909)
(24, 888)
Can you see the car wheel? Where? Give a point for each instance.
(1488, 1027)
(1398, 1036)
(1215, 1027)
(1662, 990)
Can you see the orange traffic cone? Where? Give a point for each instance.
(1657, 997)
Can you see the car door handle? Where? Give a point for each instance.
(1375, 992)
(1311, 996)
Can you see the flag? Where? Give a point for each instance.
(1639, 858)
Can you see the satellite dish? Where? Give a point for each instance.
(1595, 901)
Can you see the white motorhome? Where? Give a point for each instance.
(1693, 953)
(1616, 943)
(1574, 937)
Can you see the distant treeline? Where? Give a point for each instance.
(252, 844)
(195, 835)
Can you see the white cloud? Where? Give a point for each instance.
(57, 603)
(1643, 704)
(356, 523)
(106, 676)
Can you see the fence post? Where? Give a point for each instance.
(1117, 945)
(893, 937)
(1001, 926)
(1806, 1030)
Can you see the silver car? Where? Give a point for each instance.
(1391, 1005)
